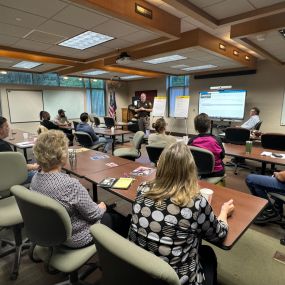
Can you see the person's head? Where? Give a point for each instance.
(254, 111)
(46, 115)
(159, 125)
(61, 113)
(176, 176)
(202, 123)
(84, 117)
(51, 150)
(143, 97)
(4, 128)
(41, 115)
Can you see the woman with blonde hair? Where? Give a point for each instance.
(170, 217)
(51, 153)
(160, 138)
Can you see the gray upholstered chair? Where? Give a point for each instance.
(123, 262)
(132, 152)
(85, 140)
(48, 226)
(13, 171)
(205, 162)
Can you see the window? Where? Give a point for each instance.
(176, 86)
(97, 94)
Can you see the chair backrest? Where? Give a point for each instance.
(237, 135)
(109, 122)
(154, 153)
(47, 222)
(96, 121)
(137, 140)
(122, 260)
(13, 170)
(204, 160)
(84, 139)
(273, 141)
(75, 124)
(257, 126)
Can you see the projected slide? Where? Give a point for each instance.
(223, 104)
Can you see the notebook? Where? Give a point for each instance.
(123, 183)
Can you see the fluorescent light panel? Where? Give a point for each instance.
(27, 64)
(199, 67)
(165, 59)
(132, 77)
(180, 66)
(95, 72)
(220, 87)
(86, 40)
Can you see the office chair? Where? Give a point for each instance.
(257, 126)
(122, 260)
(96, 121)
(205, 162)
(13, 171)
(131, 153)
(48, 227)
(154, 153)
(85, 140)
(273, 140)
(75, 124)
(237, 136)
(109, 122)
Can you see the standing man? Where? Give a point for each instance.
(143, 110)
(253, 120)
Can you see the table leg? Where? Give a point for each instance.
(95, 193)
(122, 138)
(113, 143)
(263, 168)
(25, 154)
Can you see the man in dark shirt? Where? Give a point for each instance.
(4, 146)
(143, 110)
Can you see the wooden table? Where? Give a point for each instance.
(239, 151)
(247, 207)
(18, 137)
(107, 132)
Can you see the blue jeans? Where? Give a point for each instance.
(260, 185)
(107, 142)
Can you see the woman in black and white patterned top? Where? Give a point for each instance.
(170, 218)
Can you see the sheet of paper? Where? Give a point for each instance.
(159, 106)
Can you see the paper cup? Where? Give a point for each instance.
(26, 136)
(207, 194)
(185, 139)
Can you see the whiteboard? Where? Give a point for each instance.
(24, 105)
(159, 106)
(181, 106)
(72, 101)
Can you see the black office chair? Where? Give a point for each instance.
(109, 122)
(205, 162)
(237, 136)
(85, 140)
(154, 153)
(274, 141)
(257, 126)
(75, 124)
(96, 121)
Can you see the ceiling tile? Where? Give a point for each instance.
(140, 36)
(60, 29)
(205, 3)
(19, 18)
(80, 17)
(38, 7)
(60, 50)
(6, 40)
(14, 31)
(117, 44)
(114, 28)
(264, 3)
(31, 45)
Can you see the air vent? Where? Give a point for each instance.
(44, 37)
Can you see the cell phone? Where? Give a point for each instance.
(277, 155)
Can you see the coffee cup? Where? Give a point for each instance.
(26, 136)
(207, 194)
(185, 139)
(112, 130)
(248, 147)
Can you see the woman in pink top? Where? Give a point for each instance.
(210, 142)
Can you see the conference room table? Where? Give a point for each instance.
(108, 132)
(21, 140)
(247, 207)
(255, 155)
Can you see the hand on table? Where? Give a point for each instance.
(33, 166)
(228, 207)
(102, 206)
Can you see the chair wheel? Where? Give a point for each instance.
(282, 241)
(13, 276)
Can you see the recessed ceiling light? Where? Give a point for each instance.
(165, 59)
(95, 72)
(86, 40)
(282, 32)
(27, 64)
(222, 46)
(3, 72)
(199, 67)
(180, 66)
(65, 77)
(132, 77)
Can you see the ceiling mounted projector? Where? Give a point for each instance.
(123, 58)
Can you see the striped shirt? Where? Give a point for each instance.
(76, 200)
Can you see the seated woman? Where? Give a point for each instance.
(160, 138)
(210, 142)
(170, 217)
(51, 153)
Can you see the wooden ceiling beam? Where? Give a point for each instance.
(161, 22)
